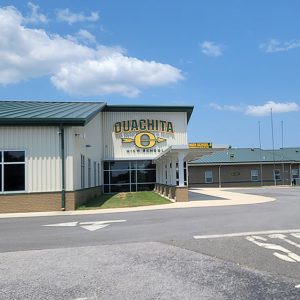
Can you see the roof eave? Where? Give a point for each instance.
(150, 108)
(43, 122)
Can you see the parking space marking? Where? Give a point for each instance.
(296, 235)
(284, 238)
(262, 239)
(287, 255)
(213, 236)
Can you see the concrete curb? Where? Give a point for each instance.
(230, 198)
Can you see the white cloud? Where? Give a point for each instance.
(65, 15)
(274, 45)
(83, 36)
(34, 16)
(211, 49)
(86, 36)
(226, 107)
(265, 109)
(74, 68)
(259, 110)
(114, 74)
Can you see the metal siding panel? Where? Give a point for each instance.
(91, 134)
(42, 155)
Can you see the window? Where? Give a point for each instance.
(254, 175)
(12, 171)
(98, 171)
(208, 177)
(89, 173)
(82, 164)
(128, 176)
(276, 174)
(95, 174)
(295, 173)
(184, 173)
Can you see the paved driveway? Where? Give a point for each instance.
(225, 252)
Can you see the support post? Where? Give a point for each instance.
(181, 168)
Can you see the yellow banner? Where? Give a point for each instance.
(200, 145)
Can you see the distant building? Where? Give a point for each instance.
(245, 167)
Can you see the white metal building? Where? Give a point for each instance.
(54, 155)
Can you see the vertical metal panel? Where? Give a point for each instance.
(113, 147)
(42, 154)
(87, 141)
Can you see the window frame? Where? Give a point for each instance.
(278, 173)
(133, 169)
(89, 173)
(206, 177)
(95, 173)
(2, 164)
(82, 170)
(293, 175)
(254, 175)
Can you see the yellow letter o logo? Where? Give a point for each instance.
(145, 140)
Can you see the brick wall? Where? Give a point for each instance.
(37, 202)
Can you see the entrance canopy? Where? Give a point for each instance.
(171, 165)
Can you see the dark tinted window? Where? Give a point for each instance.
(106, 189)
(133, 176)
(119, 177)
(146, 176)
(14, 177)
(119, 165)
(145, 164)
(106, 165)
(120, 188)
(145, 187)
(133, 187)
(106, 177)
(14, 156)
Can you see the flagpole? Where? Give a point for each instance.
(260, 156)
(282, 153)
(273, 147)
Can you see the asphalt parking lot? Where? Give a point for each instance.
(227, 252)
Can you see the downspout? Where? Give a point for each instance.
(62, 157)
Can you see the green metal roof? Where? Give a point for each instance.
(48, 113)
(249, 155)
(151, 108)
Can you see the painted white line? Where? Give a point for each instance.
(94, 227)
(214, 236)
(287, 255)
(69, 224)
(283, 238)
(102, 222)
(297, 286)
(296, 235)
(91, 226)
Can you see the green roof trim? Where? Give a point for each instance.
(48, 113)
(69, 113)
(150, 108)
(235, 156)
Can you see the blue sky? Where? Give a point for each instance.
(233, 60)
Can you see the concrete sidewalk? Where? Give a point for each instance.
(228, 198)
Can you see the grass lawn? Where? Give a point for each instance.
(120, 200)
